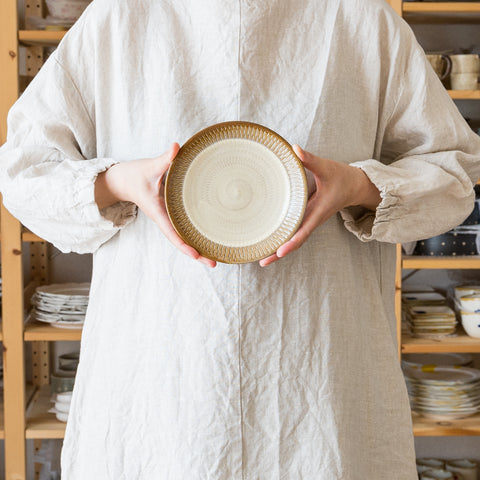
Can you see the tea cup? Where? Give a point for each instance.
(465, 63)
(441, 64)
(464, 81)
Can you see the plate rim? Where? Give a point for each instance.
(214, 127)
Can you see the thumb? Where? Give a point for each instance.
(162, 162)
(308, 159)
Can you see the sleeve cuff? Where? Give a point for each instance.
(364, 223)
(117, 215)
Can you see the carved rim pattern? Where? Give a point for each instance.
(174, 192)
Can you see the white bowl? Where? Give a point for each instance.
(466, 468)
(67, 9)
(437, 474)
(63, 417)
(62, 407)
(470, 303)
(463, 290)
(471, 323)
(432, 463)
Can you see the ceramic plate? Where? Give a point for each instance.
(68, 289)
(236, 192)
(441, 359)
(438, 375)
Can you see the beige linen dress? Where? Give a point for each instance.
(239, 372)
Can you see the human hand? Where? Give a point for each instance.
(140, 182)
(338, 185)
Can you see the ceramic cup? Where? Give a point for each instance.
(464, 81)
(465, 63)
(466, 468)
(441, 64)
(437, 474)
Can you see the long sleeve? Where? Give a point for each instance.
(429, 161)
(48, 166)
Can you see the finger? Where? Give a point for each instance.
(161, 218)
(207, 261)
(307, 158)
(162, 163)
(310, 162)
(268, 260)
(314, 216)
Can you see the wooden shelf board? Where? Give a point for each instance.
(424, 427)
(28, 236)
(439, 7)
(41, 424)
(40, 37)
(462, 343)
(464, 94)
(442, 12)
(2, 423)
(37, 331)
(461, 262)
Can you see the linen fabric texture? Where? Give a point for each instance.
(239, 372)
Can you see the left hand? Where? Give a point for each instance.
(338, 185)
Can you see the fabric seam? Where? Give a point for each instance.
(397, 101)
(239, 296)
(239, 313)
(239, 55)
(67, 74)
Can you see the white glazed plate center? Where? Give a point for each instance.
(236, 192)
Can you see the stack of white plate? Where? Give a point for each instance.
(424, 360)
(443, 393)
(411, 298)
(62, 405)
(61, 305)
(430, 321)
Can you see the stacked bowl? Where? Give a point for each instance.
(467, 301)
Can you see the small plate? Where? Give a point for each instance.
(236, 192)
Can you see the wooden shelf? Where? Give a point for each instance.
(418, 262)
(28, 236)
(442, 12)
(424, 427)
(439, 7)
(464, 94)
(40, 423)
(40, 37)
(2, 429)
(37, 331)
(462, 343)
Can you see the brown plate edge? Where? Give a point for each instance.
(247, 124)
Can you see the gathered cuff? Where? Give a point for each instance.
(114, 216)
(366, 224)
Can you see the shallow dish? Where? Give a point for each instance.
(236, 192)
(434, 359)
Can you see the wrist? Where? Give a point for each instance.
(367, 194)
(107, 188)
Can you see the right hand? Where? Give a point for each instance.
(140, 182)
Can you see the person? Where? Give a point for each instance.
(280, 369)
